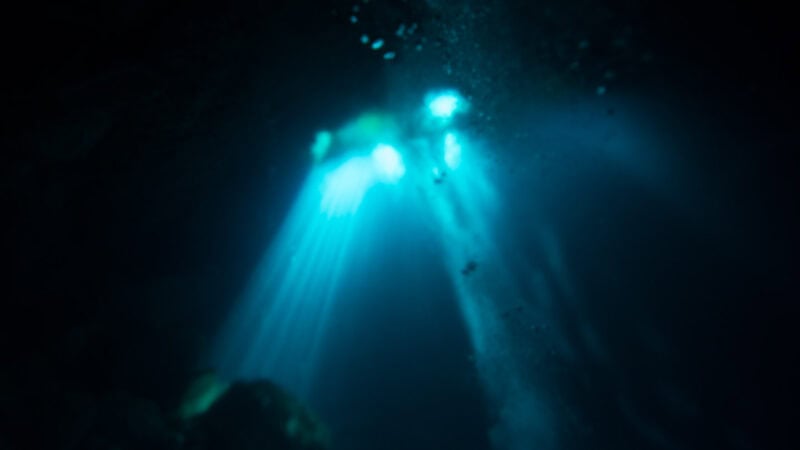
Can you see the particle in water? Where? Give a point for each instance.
(469, 267)
(601, 90)
(378, 43)
(389, 55)
(353, 19)
(364, 39)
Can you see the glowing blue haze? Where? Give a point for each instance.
(452, 151)
(443, 105)
(281, 325)
(344, 187)
(389, 164)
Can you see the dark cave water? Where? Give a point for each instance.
(597, 249)
(488, 316)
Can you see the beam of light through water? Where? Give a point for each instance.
(452, 151)
(444, 105)
(389, 164)
(345, 187)
(279, 324)
(465, 215)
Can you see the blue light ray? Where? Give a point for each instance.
(345, 187)
(444, 104)
(280, 321)
(280, 324)
(466, 215)
(452, 151)
(389, 164)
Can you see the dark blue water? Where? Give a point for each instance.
(611, 265)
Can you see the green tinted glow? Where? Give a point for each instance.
(322, 143)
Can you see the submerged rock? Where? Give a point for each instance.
(257, 415)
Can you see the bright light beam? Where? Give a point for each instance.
(444, 105)
(280, 325)
(465, 216)
(344, 188)
(389, 164)
(452, 151)
(280, 322)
